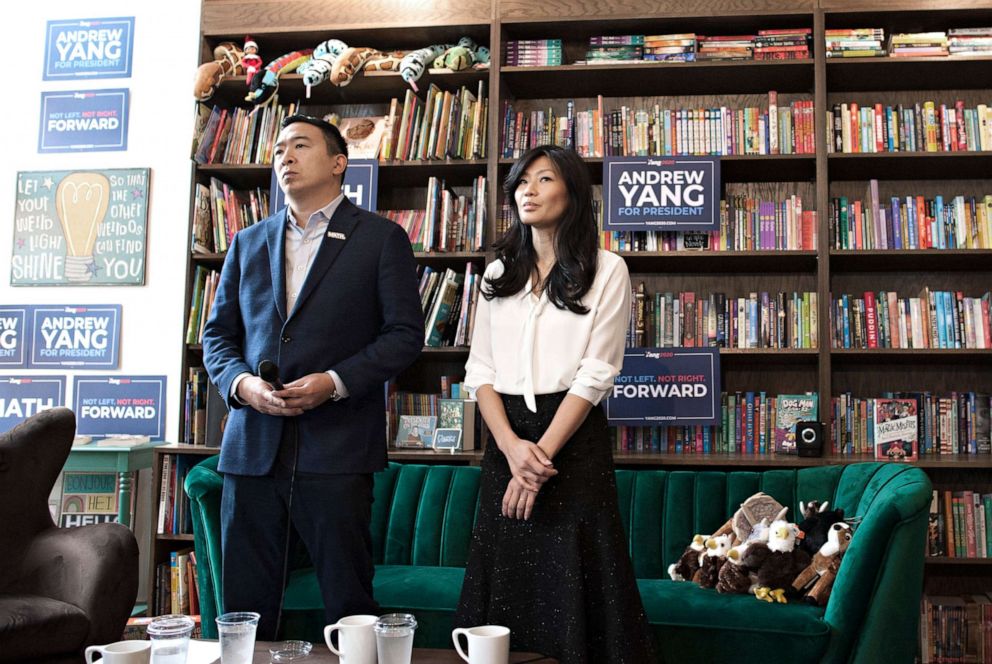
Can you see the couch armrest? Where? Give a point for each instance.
(204, 486)
(93, 567)
(874, 605)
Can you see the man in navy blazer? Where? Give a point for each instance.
(327, 292)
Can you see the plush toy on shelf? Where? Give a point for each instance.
(462, 55)
(318, 68)
(817, 579)
(227, 62)
(265, 83)
(251, 60)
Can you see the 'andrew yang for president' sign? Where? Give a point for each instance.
(13, 337)
(661, 193)
(666, 387)
(89, 48)
(120, 405)
(83, 336)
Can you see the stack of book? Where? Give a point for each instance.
(970, 41)
(679, 47)
(608, 49)
(448, 125)
(932, 320)
(449, 300)
(855, 43)
(956, 629)
(751, 423)
(205, 284)
(944, 424)
(725, 47)
(450, 221)
(534, 53)
(961, 523)
(238, 136)
(222, 211)
(783, 44)
(918, 45)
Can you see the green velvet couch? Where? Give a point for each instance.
(422, 519)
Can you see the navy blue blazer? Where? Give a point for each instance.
(358, 313)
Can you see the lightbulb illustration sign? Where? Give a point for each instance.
(80, 228)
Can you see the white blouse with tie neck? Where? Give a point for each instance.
(524, 345)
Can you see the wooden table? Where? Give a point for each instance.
(321, 655)
(120, 460)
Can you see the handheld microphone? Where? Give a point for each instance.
(269, 372)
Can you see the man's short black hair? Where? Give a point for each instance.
(332, 135)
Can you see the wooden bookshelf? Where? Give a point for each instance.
(283, 26)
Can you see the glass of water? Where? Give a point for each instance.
(394, 638)
(237, 637)
(170, 638)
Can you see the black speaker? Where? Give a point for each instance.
(809, 439)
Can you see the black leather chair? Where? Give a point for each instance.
(61, 589)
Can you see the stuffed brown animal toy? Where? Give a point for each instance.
(735, 577)
(227, 62)
(777, 563)
(713, 561)
(688, 563)
(817, 579)
(817, 524)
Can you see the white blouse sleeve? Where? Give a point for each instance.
(480, 369)
(603, 357)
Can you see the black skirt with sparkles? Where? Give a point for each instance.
(562, 581)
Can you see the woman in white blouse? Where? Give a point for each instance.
(549, 557)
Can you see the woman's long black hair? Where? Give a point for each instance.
(576, 239)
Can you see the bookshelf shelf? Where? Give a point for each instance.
(457, 172)
(719, 261)
(215, 261)
(944, 560)
(911, 355)
(178, 537)
(472, 458)
(909, 165)
(938, 73)
(661, 78)
(949, 461)
(895, 260)
(363, 89)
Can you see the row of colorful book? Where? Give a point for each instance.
(925, 423)
(449, 299)
(238, 135)
(205, 282)
(750, 423)
(911, 222)
(688, 319)
(173, 505)
(443, 125)
(450, 221)
(933, 320)
(204, 409)
(776, 44)
(628, 131)
(422, 404)
(923, 127)
(220, 211)
(960, 524)
(176, 590)
(956, 629)
(871, 42)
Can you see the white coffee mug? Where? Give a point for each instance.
(121, 652)
(356, 639)
(487, 644)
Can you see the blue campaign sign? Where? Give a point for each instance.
(24, 396)
(89, 48)
(120, 405)
(361, 186)
(661, 193)
(666, 386)
(14, 337)
(83, 121)
(84, 336)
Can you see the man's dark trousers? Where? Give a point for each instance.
(331, 514)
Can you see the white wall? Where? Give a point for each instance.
(166, 38)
